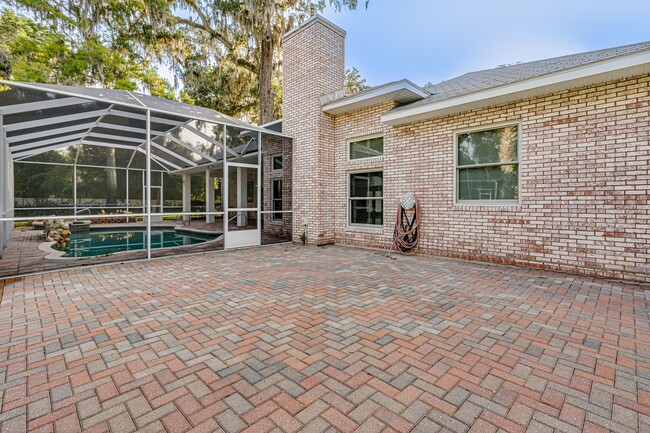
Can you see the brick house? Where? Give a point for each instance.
(541, 164)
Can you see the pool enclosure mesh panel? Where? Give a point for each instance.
(40, 118)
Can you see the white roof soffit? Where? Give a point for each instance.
(600, 72)
(402, 92)
(218, 119)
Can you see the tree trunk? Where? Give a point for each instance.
(111, 176)
(265, 80)
(5, 66)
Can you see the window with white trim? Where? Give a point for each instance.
(366, 198)
(276, 199)
(487, 165)
(366, 148)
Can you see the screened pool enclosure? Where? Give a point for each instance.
(115, 167)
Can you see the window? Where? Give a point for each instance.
(276, 199)
(366, 198)
(487, 166)
(367, 148)
(277, 162)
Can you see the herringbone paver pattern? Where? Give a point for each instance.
(289, 339)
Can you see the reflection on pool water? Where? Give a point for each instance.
(99, 243)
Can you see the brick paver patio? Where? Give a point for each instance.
(289, 338)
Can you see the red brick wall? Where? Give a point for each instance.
(276, 146)
(584, 158)
(585, 182)
(313, 66)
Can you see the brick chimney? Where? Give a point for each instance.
(313, 66)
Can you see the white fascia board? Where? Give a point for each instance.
(400, 91)
(608, 70)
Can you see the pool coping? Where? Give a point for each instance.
(54, 254)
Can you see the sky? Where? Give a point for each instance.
(435, 40)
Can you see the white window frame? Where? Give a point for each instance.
(273, 157)
(349, 141)
(273, 211)
(349, 199)
(520, 152)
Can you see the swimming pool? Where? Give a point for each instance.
(103, 242)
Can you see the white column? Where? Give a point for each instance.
(144, 193)
(187, 195)
(74, 187)
(225, 202)
(259, 187)
(242, 196)
(3, 189)
(162, 194)
(8, 188)
(127, 197)
(209, 196)
(148, 184)
(74, 181)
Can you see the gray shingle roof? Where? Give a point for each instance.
(489, 78)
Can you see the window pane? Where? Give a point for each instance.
(277, 198)
(367, 148)
(366, 212)
(489, 183)
(277, 189)
(367, 184)
(277, 162)
(484, 147)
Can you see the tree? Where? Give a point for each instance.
(230, 35)
(265, 22)
(241, 38)
(5, 65)
(225, 88)
(354, 82)
(45, 182)
(73, 50)
(69, 45)
(222, 36)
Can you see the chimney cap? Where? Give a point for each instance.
(311, 21)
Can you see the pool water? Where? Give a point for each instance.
(99, 243)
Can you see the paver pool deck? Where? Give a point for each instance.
(289, 338)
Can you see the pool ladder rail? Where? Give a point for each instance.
(80, 245)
